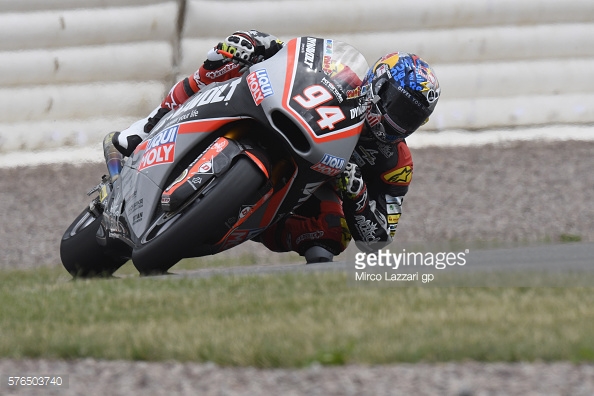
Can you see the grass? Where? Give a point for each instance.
(289, 320)
(570, 238)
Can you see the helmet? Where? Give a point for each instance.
(403, 91)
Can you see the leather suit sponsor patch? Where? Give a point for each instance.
(400, 176)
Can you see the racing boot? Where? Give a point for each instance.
(318, 238)
(127, 140)
(318, 254)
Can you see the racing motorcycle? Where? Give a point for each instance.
(233, 159)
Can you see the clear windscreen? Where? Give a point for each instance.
(346, 55)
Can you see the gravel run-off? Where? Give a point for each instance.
(518, 193)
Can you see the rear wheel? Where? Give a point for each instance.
(81, 255)
(202, 224)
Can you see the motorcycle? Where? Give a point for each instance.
(232, 160)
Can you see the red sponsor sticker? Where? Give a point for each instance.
(160, 149)
(259, 85)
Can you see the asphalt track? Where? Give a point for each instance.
(555, 259)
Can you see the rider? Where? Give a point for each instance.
(252, 45)
(365, 202)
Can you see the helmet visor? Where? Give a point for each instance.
(402, 112)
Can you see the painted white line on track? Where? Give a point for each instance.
(94, 154)
(455, 138)
(71, 155)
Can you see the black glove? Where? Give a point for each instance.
(275, 46)
(262, 53)
(152, 121)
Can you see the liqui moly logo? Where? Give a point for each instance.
(329, 165)
(160, 149)
(260, 86)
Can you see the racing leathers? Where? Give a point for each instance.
(333, 215)
(251, 45)
(373, 213)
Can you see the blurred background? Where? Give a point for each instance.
(73, 70)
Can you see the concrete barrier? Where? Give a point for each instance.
(513, 111)
(513, 72)
(504, 63)
(141, 61)
(303, 17)
(461, 45)
(62, 102)
(42, 135)
(71, 70)
(42, 5)
(87, 26)
(479, 45)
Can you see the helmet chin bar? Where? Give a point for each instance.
(378, 131)
(395, 126)
(382, 132)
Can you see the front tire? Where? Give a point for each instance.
(80, 253)
(203, 222)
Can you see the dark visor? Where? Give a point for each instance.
(402, 111)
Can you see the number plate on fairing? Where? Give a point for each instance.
(321, 102)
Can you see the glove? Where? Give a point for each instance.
(237, 46)
(227, 48)
(275, 46)
(264, 52)
(350, 181)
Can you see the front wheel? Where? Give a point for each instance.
(81, 255)
(202, 223)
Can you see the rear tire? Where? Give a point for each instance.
(203, 223)
(81, 255)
